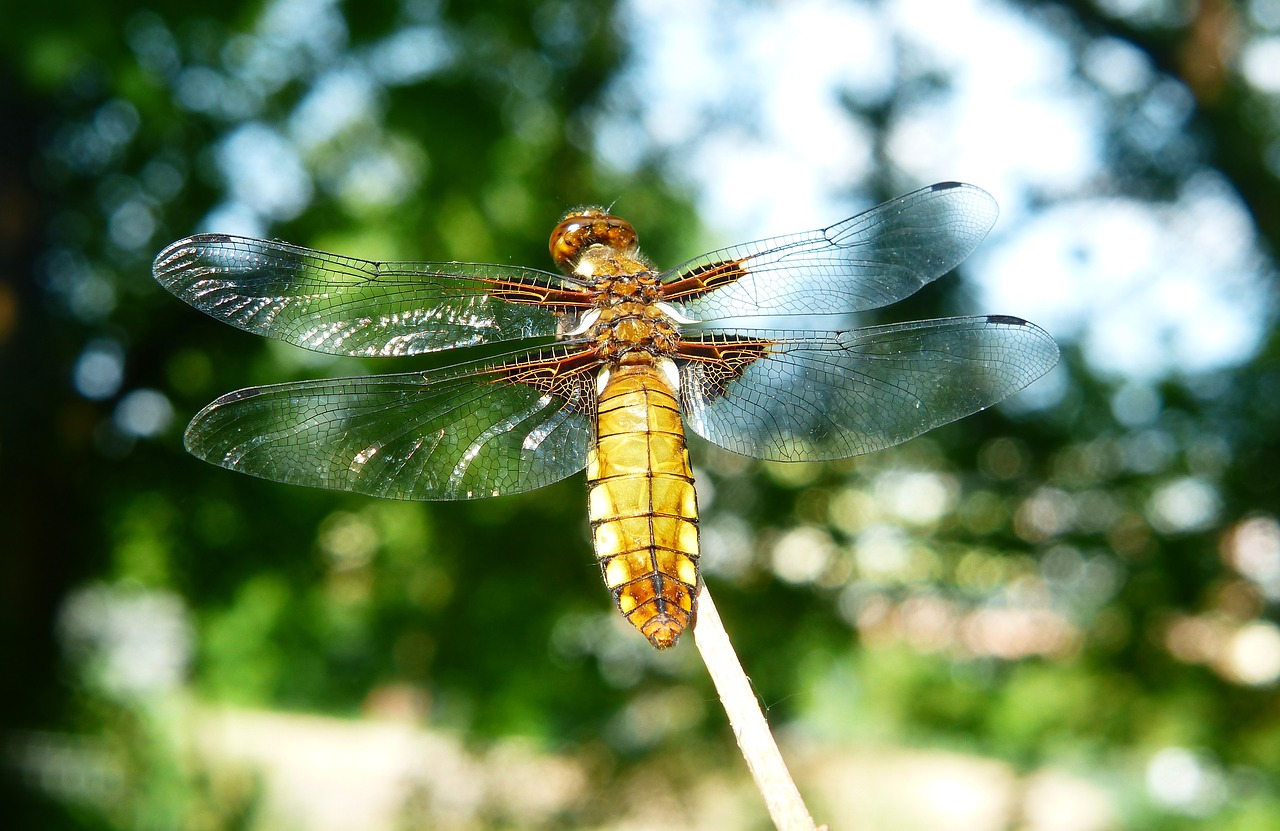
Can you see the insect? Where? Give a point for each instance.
(626, 357)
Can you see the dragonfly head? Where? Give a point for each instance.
(582, 228)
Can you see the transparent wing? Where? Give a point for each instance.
(348, 306)
(871, 260)
(460, 433)
(809, 396)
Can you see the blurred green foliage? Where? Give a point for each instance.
(487, 620)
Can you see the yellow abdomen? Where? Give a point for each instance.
(644, 513)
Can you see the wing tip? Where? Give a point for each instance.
(973, 190)
(1052, 353)
(196, 239)
(175, 259)
(193, 437)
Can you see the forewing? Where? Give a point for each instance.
(460, 433)
(347, 306)
(789, 396)
(871, 260)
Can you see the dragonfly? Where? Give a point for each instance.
(610, 361)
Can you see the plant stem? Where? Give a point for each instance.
(786, 807)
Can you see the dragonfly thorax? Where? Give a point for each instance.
(630, 318)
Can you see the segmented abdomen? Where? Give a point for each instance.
(644, 513)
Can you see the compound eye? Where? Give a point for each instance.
(581, 229)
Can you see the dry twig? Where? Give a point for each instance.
(781, 797)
